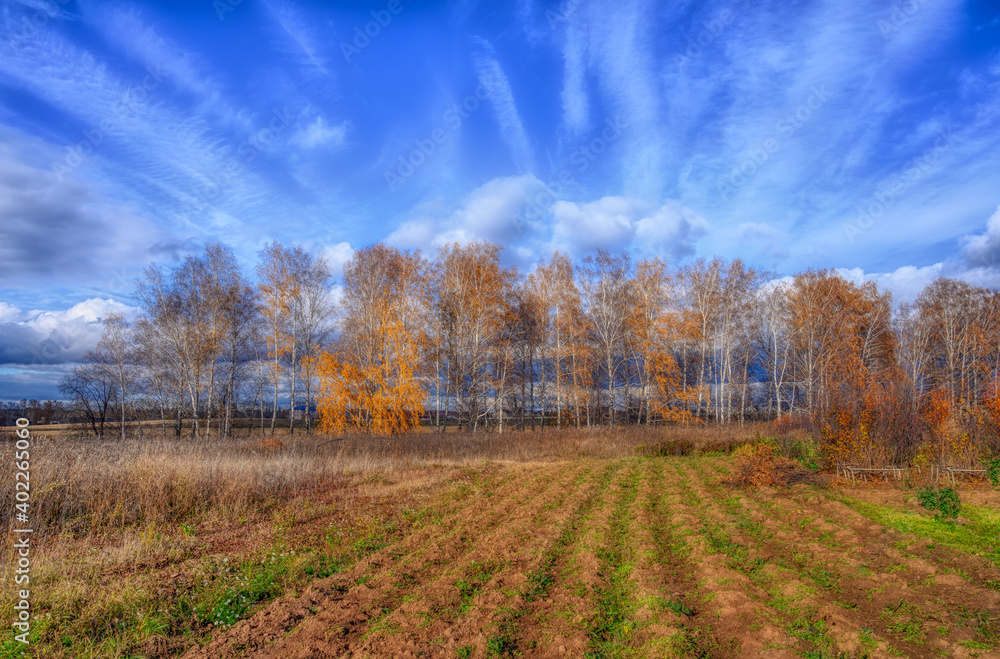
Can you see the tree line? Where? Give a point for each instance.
(457, 338)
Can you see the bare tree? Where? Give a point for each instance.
(91, 387)
(469, 289)
(277, 292)
(316, 315)
(609, 301)
(116, 351)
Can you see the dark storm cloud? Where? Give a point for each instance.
(57, 230)
(41, 383)
(174, 249)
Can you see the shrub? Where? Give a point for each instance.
(993, 472)
(945, 501)
(949, 503)
(761, 465)
(927, 497)
(803, 450)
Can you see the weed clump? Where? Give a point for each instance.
(993, 472)
(762, 465)
(945, 501)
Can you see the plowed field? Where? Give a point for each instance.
(652, 557)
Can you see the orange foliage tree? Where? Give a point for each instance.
(847, 363)
(670, 399)
(369, 381)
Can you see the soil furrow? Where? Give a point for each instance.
(744, 624)
(881, 587)
(666, 588)
(553, 620)
(613, 624)
(466, 608)
(364, 609)
(343, 605)
(799, 583)
(648, 557)
(905, 593)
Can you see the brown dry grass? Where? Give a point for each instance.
(86, 486)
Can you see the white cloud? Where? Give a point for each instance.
(616, 223)
(493, 211)
(318, 133)
(9, 313)
(413, 234)
(336, 256)
(607, 223)
(54, 337)
(984, 249)
(907, 282)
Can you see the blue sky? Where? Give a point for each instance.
(854, 135)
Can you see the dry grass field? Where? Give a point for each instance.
(556, 543)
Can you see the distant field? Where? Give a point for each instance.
(597, 556)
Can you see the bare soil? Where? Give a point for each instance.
(642, 557)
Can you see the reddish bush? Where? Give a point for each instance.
(760, 465)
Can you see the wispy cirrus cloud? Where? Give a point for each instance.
(622, 53)
(493, 78)
(131, 30)
(319, 133)
(575, 101)
(820, 134)
(295, 35)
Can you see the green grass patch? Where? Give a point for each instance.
(471, 584)
(612, 625)
(976, 536)
(239, 588)
(903, 619)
